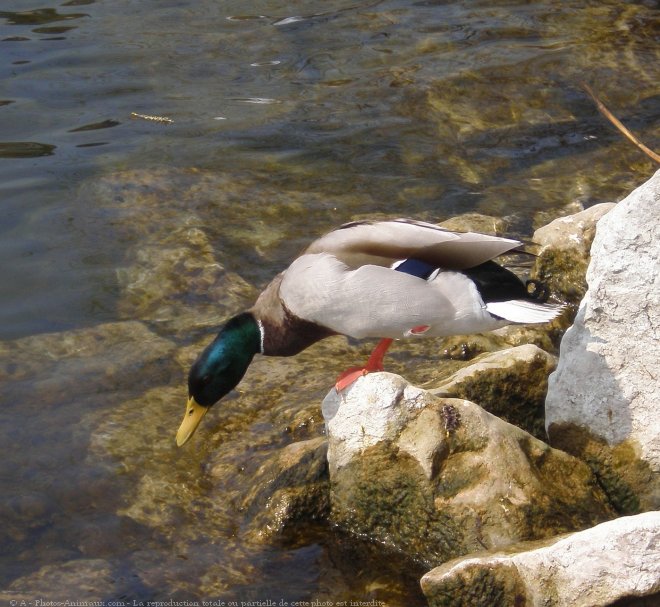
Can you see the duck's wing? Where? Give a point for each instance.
(376, 301)
(383, 242)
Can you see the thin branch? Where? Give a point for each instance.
(617, 123)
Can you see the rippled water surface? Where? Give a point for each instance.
(161, 160)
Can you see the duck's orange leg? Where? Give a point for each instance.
(375, 363)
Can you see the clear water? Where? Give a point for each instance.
(123, 239)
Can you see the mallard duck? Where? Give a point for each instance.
(388, 279)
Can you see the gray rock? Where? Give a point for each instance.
(614, 561)
(437, 478)
(605, 390)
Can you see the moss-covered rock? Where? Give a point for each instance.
(627, 480)
(288, 489)
(564, 257)
(437, 478)
(511, 384)
(385, 495)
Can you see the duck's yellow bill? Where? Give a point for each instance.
(192, 417)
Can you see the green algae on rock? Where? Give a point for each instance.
(406, 476)
(564, 257)
(626, 479)
(511, 384)
(289, 489)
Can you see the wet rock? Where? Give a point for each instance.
(167, 493)
(136, 440)
(566, 241)
(287, 489)
(544, 217)
(602, 400)
(305, 423)
(76, 580)
(56, 388)
(468, 347)
(574, 231)
(437, 478)
(196, 491)
(613, 563)
(511, 384)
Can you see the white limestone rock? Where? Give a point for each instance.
(614, 561)
(373, 409)
(439, 477)
(573, 231)
(608, 378)
(565, 243)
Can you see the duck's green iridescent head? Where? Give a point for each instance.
(218, 370)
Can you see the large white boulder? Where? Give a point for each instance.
(608, 378)
(613, 561)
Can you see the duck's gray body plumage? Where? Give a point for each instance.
(344, 283)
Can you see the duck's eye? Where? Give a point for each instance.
(206, 379)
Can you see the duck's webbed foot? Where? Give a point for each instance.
(375, 363)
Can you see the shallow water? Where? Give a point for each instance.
(124, 239)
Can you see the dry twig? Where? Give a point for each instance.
(162, 119)
(617, 123)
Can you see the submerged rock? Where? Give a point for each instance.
(607, 564)
(76, 580)
(288, 489)
(437, 478)
(112, 356)
(173, 278)
(195, 243)
(602, 401)
(511, 384)
(476, 222)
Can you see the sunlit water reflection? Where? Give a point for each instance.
(125, 240)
